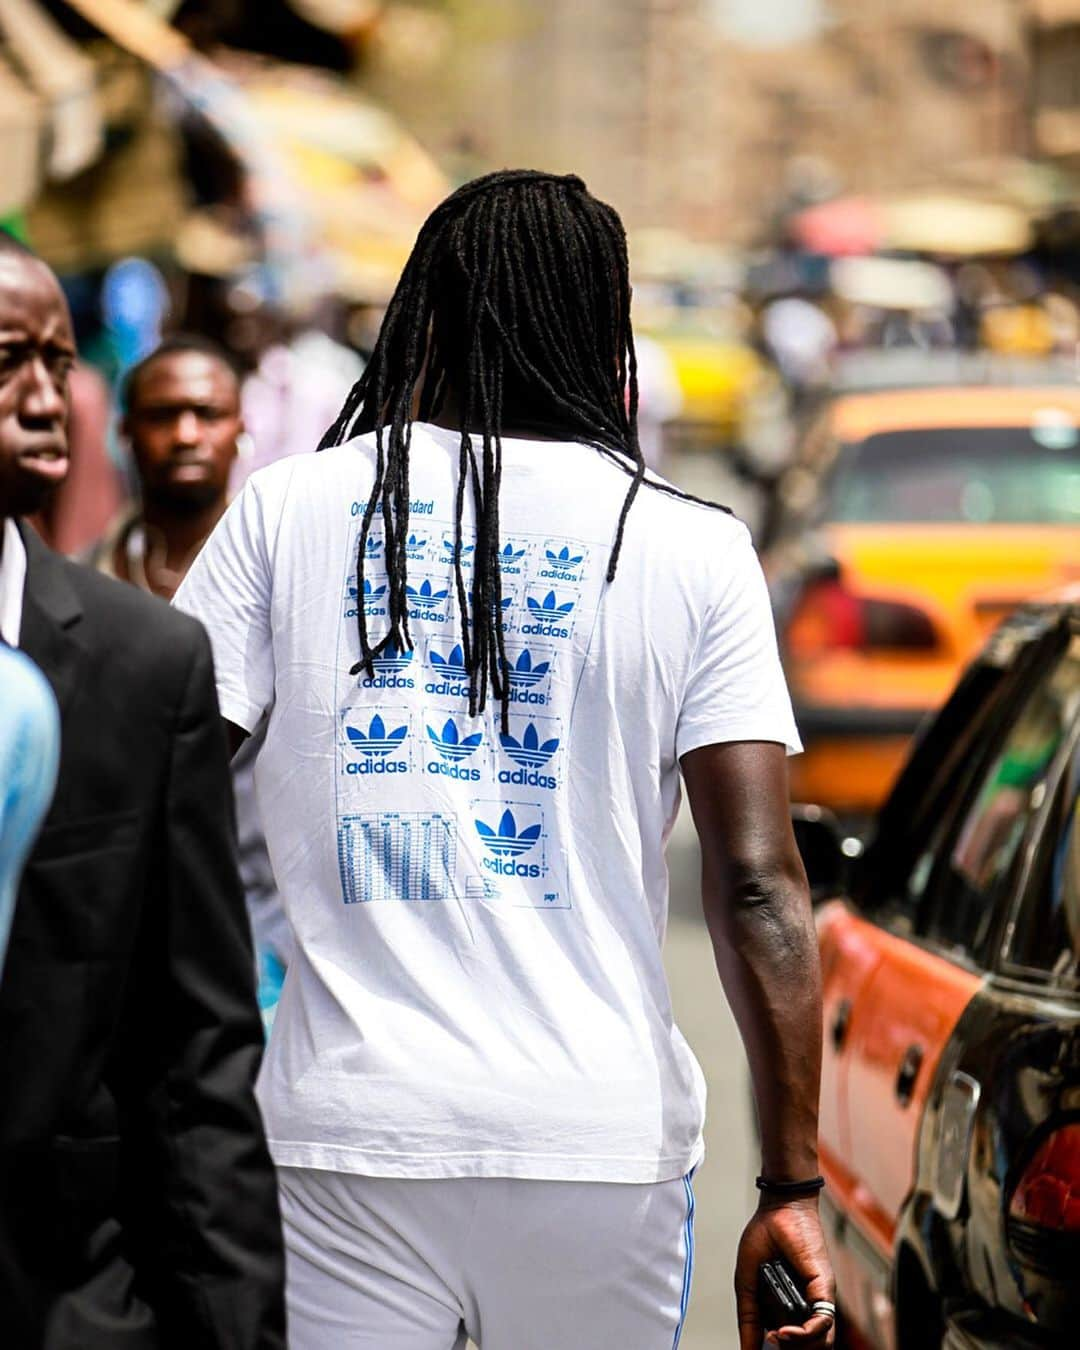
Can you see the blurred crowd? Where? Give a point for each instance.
(727, 368)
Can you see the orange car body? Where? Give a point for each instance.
(950, 1050)
(881, 997)
(859, 705)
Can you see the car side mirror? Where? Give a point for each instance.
(827, 852)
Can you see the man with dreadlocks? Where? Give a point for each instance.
(488, 641)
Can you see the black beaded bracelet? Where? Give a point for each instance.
(790, 1189)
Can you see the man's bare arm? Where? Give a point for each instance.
(757, 907)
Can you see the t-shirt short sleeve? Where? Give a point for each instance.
(736, 689)
(228, 590)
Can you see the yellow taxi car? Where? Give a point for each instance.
(909, 524)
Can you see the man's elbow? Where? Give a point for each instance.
(761, 895)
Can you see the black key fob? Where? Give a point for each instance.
(780, 1300)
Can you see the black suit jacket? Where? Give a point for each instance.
(137, 1199)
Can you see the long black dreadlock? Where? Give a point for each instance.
(515, 301)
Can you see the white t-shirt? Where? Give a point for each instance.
(477, 986)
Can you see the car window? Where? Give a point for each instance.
(890, 882)
(970, 475)
(968, 868)
(1045, 940)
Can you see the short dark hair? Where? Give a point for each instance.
(176, 345)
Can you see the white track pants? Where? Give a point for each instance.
(381, 1264)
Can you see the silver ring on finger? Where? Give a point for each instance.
(823, 1308)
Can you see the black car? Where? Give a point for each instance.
(950, 1122)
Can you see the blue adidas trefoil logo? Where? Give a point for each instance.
(451, 551)
(390, 659)
(371, 593)
(451, 679)
(450, 744)
(372, 599)
(454, 664)
(509, 555)
(376, 741)
(530, 752)
(373, 547)
(425, 596)
(390, 669)
(564, 558)
(562, 563)
(523, 674)
(507, 841)
(549, 607)
(414, 542)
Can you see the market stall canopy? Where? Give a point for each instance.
(328, 178)
(339, 16)
(658, 254)
(20, 140)
(891, 283)
(843, 227)
(955, 226)
(1052, 12)
(63, 77)
(1029, 184)
(366, 184)
(135, 28)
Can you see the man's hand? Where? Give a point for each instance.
(791, 1230)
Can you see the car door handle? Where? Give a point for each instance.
(908, 1073)
(841, 1022)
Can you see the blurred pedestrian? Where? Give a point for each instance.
(296, 375)
(801, 338)
(182, 422)
(137, 1195)
(489, 639)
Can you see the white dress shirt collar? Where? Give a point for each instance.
(12, 582)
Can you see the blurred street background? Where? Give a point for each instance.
(855, 241)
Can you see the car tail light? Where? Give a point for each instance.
(1048, 1193)
(830, 617)
(1043, 1223)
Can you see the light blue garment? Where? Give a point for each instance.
(29, 756)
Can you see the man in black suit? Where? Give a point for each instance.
(138, 1206)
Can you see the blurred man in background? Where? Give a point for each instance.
(183, 424)
(137, 1196)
